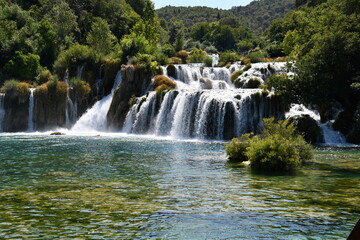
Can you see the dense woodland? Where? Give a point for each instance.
(40, 40)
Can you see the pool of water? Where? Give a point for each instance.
(131, 187)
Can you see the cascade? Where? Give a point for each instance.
(329, 134)
(80, 70)
(95, 118)
(205, 105)
(71, 112)
(2, 111)
(31, 111)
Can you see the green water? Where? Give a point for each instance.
(127, 187)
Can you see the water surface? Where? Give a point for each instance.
(125, 187)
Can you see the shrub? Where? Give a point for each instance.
(183, 55)
(236, 149)
(278, 148)
(247, 67)
(81, 88)
(44, 76)
(197, 56)
(175, 60)
(273, 153)
(23, 66)
(20, 88)
(235, 75)
(257, 56)
(160, 80)
(208, 61)
(228, 57)
(253, 83)
(76, 55)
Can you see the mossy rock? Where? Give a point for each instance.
(171, 71)
(308, 127)
(57, 133)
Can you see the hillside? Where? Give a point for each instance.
(257, 15)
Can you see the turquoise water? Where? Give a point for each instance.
(131, 187)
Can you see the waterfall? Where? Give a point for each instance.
(2, 111)
(95, 118)
(80, 70)
(330, 135)
(206, 114)
(71, 112)
(31, 111)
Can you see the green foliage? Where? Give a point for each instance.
(197, 56)
(257, 56)
(23, 66)
(44, 76)
(253, 83)
(100, 37)
(228, 57)
(244, 46)
(324, 40)
(183, 55)
(236, 149)
(162, 82)
(76, 55)
(53, 89)
(278, 148)
(81, 88)
(258, 14)
(63, 20)
(132, 45)
(234, 75)
(21, 89)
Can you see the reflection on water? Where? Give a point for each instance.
(116, 187)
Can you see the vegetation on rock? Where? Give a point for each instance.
(278, 148)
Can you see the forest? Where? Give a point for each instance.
(45, 40)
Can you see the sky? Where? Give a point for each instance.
(208, 3)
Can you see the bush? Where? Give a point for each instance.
(44, 76)
(234, 75)
(247, 67)
(237, 148)
(23, 66)
(257, 56)
(20, 88)
(76, 55)
(278, 148)
(208, 61)
(197, 56)
(81, 88)
(161, 80)
(273, 153)
(253, 83)
(183, 55)
(228, 57)
(175, 60)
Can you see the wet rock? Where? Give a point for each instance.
(308, 127)
(135, 81)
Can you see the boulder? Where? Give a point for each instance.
(308, 127)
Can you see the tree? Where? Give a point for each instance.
(100, 37)
(63, 21)
(24, 67)
(47, 48)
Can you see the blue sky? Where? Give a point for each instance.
(208, 3)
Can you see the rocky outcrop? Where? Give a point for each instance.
(308, 127)
(16, 106)
(134, 83)
(50, 106)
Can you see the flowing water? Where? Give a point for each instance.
(31, 111)
(2, 110)
(136, 187)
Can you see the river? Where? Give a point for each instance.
(117, 186)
